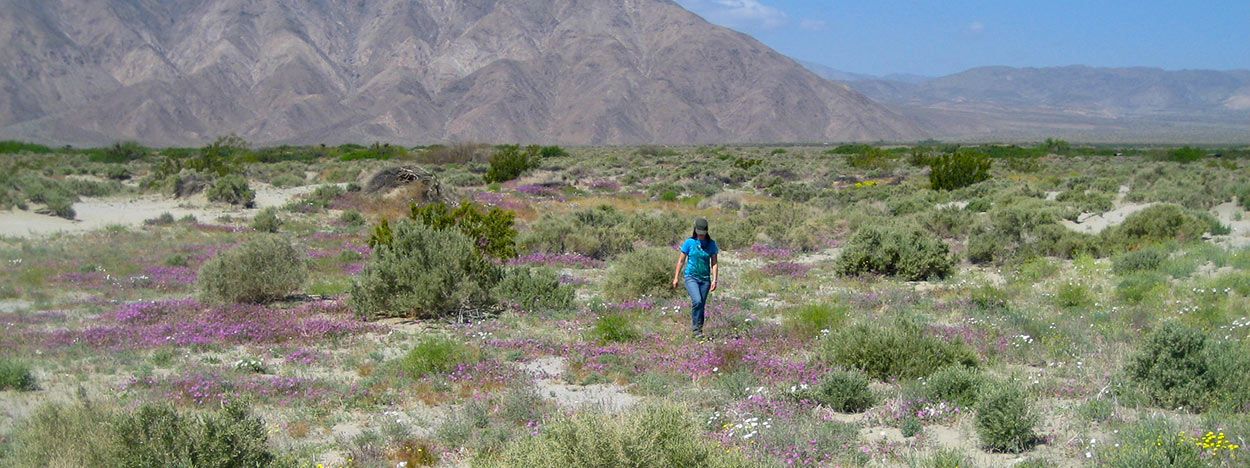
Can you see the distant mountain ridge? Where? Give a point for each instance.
(1088, 103)
(408, 71)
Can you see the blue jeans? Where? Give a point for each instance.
(698, 289)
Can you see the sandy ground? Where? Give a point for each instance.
(98, 213)
(609, 397)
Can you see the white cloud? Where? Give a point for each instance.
(975, 28)
(738, 13)
(814, 25)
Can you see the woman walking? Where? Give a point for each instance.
(698, 260)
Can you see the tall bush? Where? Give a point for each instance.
(533, 289)
(643, 272)
(423, 273)
(510, 161)
(1005, 422)
(263, 269)
(232, 189)
(959, 169)
(908, 254)
(898, 350)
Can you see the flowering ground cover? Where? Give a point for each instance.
(1043, 345)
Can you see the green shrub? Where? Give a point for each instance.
(16, 375)
(871, 159)
(232, 189)
(910, 255)
(535, 289)
(1157, 223)
(653, 436)
(659, 228)
(1186, 154)
(267, 220)
(153, 435)
(435, 354)
(946, 458)
(122, 152)
(990, 298)
(614, 328)
(898, 350)
(1097, 409)
(352, 218)
(1242, 192)
(263, 269)
(1005, 422)
(842, 391)
(812, 320)
(510, 161)
(599, 232)
(959, 169)
(1178, 366)
(911, 427)
(423, 273)
(490, 229)
(61, 207)
(223, 157)
(1137, 287)
(643, 272)
(955, 384)
(14, 146)
(1143, 259)
(1071, 295)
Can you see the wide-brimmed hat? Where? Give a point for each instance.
(700, 226)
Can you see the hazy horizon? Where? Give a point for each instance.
(921, 38)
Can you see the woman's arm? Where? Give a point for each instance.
(681, 263)
(715, 272)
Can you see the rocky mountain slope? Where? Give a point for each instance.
(405, 71)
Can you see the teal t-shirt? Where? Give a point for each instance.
(698, 258)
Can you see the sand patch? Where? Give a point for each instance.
(611, 398)
(98, 213)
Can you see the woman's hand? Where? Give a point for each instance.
(674, 283)
(713, 288)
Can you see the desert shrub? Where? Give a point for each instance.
(598, 232)
(16, 375)
(223, 157)
(659, 228)
(352, 218)
(1242, 192)
(978, 205)
(946, 458)
(813, 320)
(61, 207)
(794, 191)
(955, 384)
(898, 350)
(734, 234)
(153, 435)
(643, 272)
(1157, 223)
(614, 328)
(653, 436)
(434, 354)
(1096, 410)
(1137, 287)
(533, 289)
(263, 269)
(510, 161)
(14, 146)
(958, 169)
(842, 391)
(232, 189)
(948, 221)
(1004, 420)
(288, 180)
(908, 254)
(1145, 259)
(1178, 366)
(1186, 154)
(423, 273)
(490, 229)
(265, 221)
(870, 159)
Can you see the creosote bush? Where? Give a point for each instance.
(907, 254)
(16, 375)
(1157, 223)
(1180, 367)
(533, 289)
(898, 350)
(232, 189)
(266, 221)
(1005, 422)
(510, 161)
(423, 273)
(263, 269)
(959, 169)
(88, 434)
(654, 437)
(842, 391)
(812, 320)
(643, 272)
(955, 384)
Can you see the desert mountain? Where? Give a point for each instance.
(408, 71)
(1083, 103)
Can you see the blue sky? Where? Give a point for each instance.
(940, 38)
